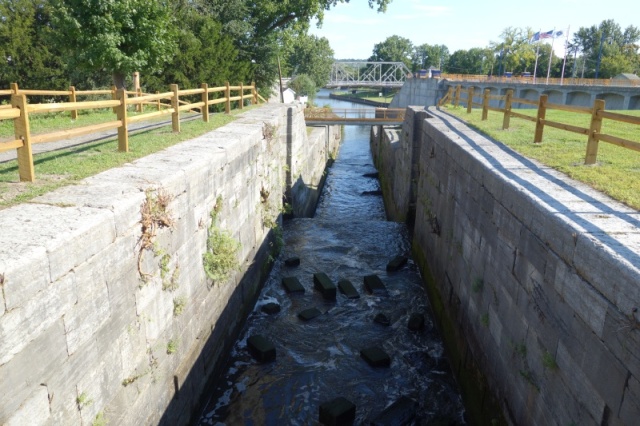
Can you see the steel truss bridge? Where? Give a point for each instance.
(368, 74)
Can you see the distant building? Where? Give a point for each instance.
(627, 76)
(288, 95)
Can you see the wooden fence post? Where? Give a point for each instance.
(469, 99)
(158, 101)
(485, 104)
(114, 96)
(123, 130)
(72, 98)
(594, 130)
(175, 103)
(254, 92)
(507, 110)
(542, 112)
(227, 94)
(456, 100)
(136, 88)
(14, 88)
(22, 132)
(241, 95)
(205, 99)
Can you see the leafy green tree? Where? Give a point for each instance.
(204, 53)
(393, 49)
(472, 61)
(118, 37)
(303, 85)
(426, 55)
(312, 56)
(617, 49)
(28, 56)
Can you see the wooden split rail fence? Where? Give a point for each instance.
(20, 110)
(593, 133)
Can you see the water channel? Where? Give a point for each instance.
(319, 360)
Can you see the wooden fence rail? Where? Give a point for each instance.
(593, 133)
(118, 100)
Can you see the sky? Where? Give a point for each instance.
(353, 28)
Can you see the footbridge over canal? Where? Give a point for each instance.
(354, 117)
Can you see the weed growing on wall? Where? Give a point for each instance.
(100, 420)
(172, 346)
(549, 362)
(154, 215)
(83, 400)
(179, 304)
(221, 257)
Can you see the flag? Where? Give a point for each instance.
(548, 34)
(540, 35)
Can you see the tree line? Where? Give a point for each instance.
(605, 49)
(51, 44)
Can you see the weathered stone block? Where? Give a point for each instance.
(261, 349)
(324, 285)
(292, 261)
(401, 412)
(292, 285)
(309, 314)
(375, 357)
(347, 288)
(34, 411)
(337, 412)
(396, 263)
(270, 308)
(382, 319)
(416, 322)
(374, 285)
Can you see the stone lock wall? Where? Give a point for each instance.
(101, 319)
(533, 277)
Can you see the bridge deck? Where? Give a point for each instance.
(363, 117)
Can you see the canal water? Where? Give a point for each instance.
(320, 360)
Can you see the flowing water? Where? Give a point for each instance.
(319, 360)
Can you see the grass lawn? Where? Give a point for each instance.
(68, 166)
(617, 171)
(370, 95)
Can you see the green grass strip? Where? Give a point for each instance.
(68, 166)
(617, 171)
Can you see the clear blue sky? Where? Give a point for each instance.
(353, 28)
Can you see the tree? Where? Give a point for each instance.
(204, 53)
(27, 54)
(426, 55)
(472, 61)
(303, 85)
(393, 49)
(118, 37)
(312, 56)
(608, 48)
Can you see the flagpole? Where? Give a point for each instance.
(553, 38)
(535, 67)
(564, 61)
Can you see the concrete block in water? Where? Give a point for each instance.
(261, 349)
(396, 263)
(416, 322)
(348, 289)
(270, 308)
(374, 285)
(292, 261)
(376, 357)
(324, 285)
(401, 412)
(338, 412)
(309, 314)
(292, 285)
(382, 319)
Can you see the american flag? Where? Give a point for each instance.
(540, 35)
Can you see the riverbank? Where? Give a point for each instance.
(357, 100)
